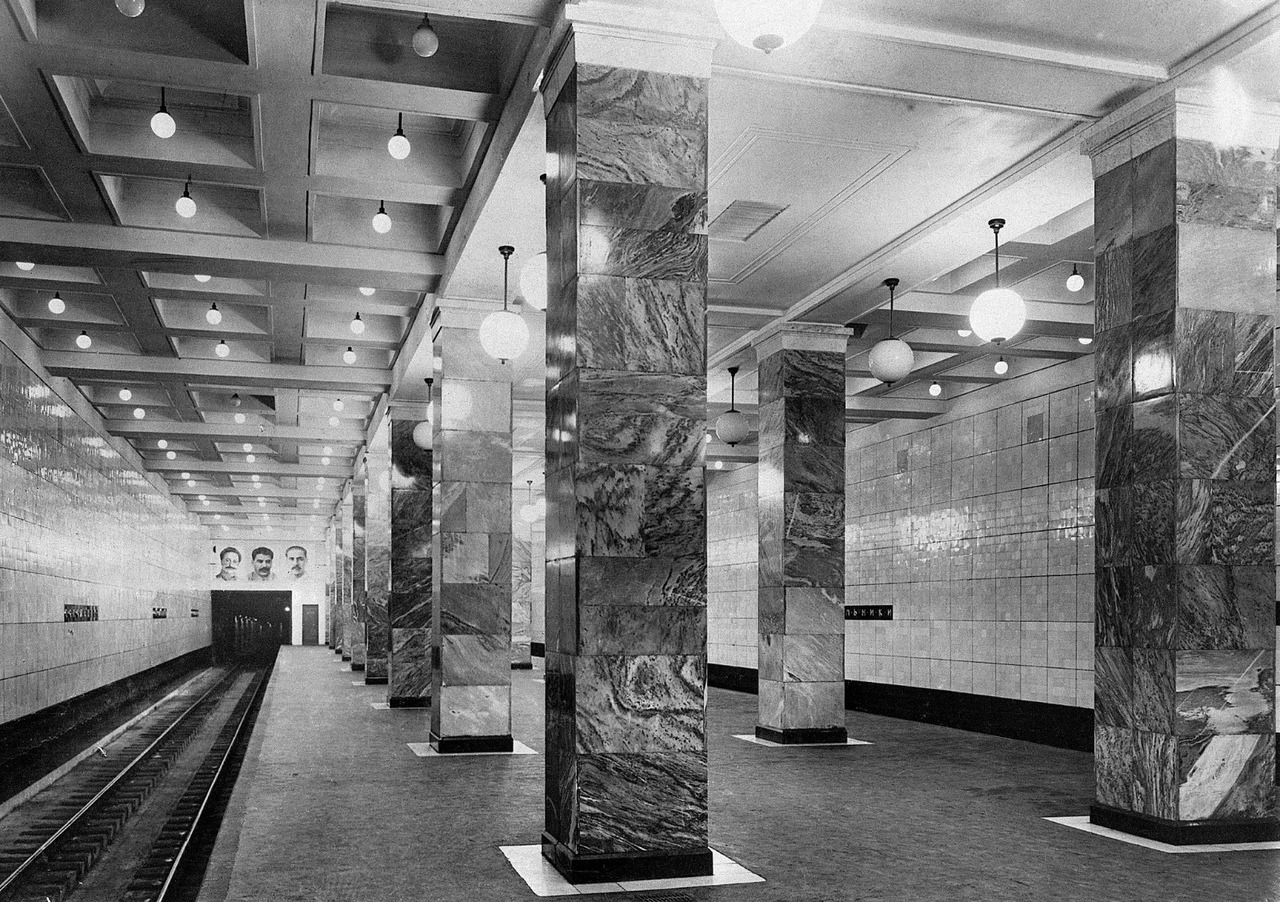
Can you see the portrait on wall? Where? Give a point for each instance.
(247, 564)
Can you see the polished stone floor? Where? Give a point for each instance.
(333, 806)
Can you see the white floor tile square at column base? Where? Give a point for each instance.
(424, 750)
(749, 737)
(545, 880)
(1081, 822)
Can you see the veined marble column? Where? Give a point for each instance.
(522, 564)
(626, 790)
(410, 670)
(377, 555)
(330, 625)
(346, 534)
(471, 612)
(1184, 239)
(359, 502)
(801, 529)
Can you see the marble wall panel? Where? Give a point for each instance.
(1231, 776)
(645, 325)
(410, 602)
(359, 615)
(378, 554)
(645, 802)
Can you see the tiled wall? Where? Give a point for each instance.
(732, 552)
(978, 528)
(80, 526)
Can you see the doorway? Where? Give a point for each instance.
(250, 626)
(311, 624)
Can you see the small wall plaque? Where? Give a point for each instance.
(868, 612)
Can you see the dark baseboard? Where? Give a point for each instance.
(375, 681)
(538, 649)
(452, 745)
(1061, 726)
(346, 657)
(832, 735)
(522, 665)
(356, 668)
(38, 743)
(624, 866)
(415, 701)
(726, 676)
(1184, 833)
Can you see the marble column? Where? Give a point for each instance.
(359, 502)
(1184, 239)
(522, 564)
(801, 534)
(377, 555)
(471, 611)
(626, 773)
(330, 625)
(346, 535)
(410, 612)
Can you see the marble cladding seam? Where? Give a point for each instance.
(79, 526)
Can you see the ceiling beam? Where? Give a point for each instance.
(341, 435)
(229, 373)
(239, 467)
(98, 245)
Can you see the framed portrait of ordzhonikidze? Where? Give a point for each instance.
(250, 564)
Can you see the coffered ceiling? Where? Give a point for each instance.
(879, 145)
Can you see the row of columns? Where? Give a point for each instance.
(1185, 744)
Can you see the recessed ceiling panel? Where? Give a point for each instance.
(349, 220)
(236, 319)
(10, 136)
(353, 140)
(197, 29)
(152, 204)
(54, 339)
(239, 349)
(25, 193)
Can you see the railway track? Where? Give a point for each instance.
(163, 797)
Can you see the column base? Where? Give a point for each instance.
(446, 745)
(412, 701)
(346, 657)
(833, 735)
(522, 665)
(1185, 833)
(624, 866)
(374, 680)
(355, 668)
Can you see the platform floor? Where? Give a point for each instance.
(332, 806)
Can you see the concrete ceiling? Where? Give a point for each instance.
(879, 145)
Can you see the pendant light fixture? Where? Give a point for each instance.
(162, 444)
(381, 221)
(891, 358)
(425, 40)
(213, 316)
(25, 266)
(398, 145)
(1085, 339)
(185, 206)
(162, 123)
(139, 413)
(1001, 367)
(731, 426)
(349, 355)
(222, 349)
(935, 388)
(1075, 281)
(338, 405)
(125, 394)
(367, 292)
(503, 334)
(83, 341)
(357, 325)
(767, 25)
(56, 304)
(422, 432)
(529, 511)
(202, 278)
(533, 281)
(131, 8)
(998, 313)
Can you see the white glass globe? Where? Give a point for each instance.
(398, 146)
(83, 341)
(131, 8)
(425, 40)
(191, 482)
(163, 125)
(533, 281)
(333, 421)
(349, 355)
(325, 460)
(213, 316)
(222, 349)
(250, 458)
(503, 335)
(56, 304)
(998, 314)
(239, 418)
(381, 222)
(731, 427)
(1085, 340)
(767, 24)
(25, 266)
(367, 292)
(139, 413)
(357, 325)
(422, 434)
(203, 278)
(338, 405)
(171, 455)
(185, 206)
(1075, 281)
(935, 389)
(125, 394)
(531, 512)
(162, 444)
(891, 359)
(247, 446)
(1001, 367)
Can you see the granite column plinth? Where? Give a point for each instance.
(471, 543)
(409, 672)
(1184, 243)
(377, 555)
(801, 534)
(626, 628)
